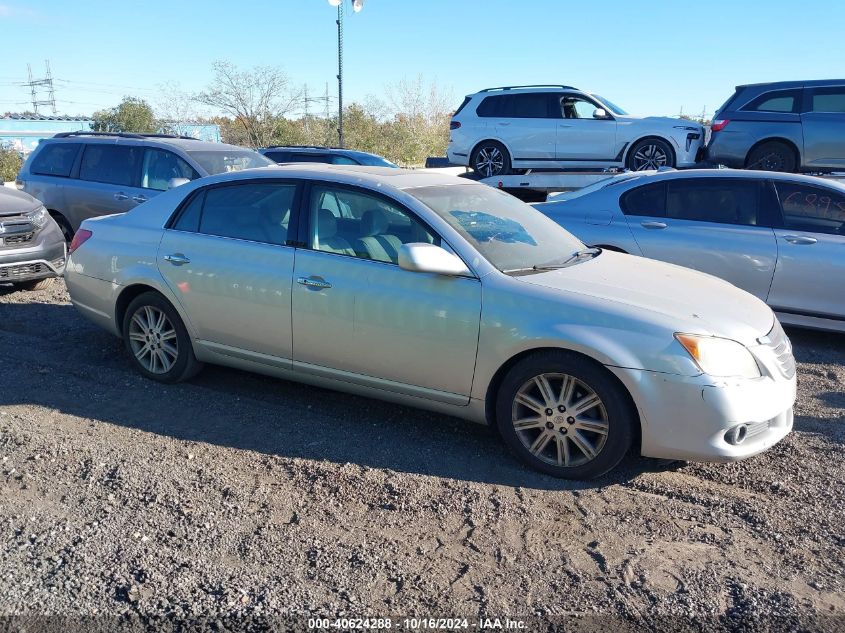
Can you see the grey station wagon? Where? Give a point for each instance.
(79, 175)
(787, 126)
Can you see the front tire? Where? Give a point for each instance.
(35, 284)
(564, 415)
(772, 156)
(157, 341)
(491, 158)
(650, 153)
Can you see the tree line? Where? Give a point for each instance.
(259, 107)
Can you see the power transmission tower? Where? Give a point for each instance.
(38, 87)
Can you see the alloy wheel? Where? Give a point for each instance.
(560, 419)
(650, 156)
(153, 340)
(489, 161)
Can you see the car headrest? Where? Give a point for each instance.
(374, 222)
(326, 224)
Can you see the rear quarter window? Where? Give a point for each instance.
(786, 101)
(55, 159)
(649, 200)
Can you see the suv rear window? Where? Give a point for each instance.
(112, 164)
(55, 159)
(534, 105)
(775, 101)
(462, 106)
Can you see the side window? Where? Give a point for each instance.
(279, 157)
(726, 201)
(259, 212)
(342, 160)
(311, 158)
(55, 159)
(775, 101)
(575, 107)
(371, 228)
(189, 216)
(827, 100)
(813, 209)
(649, 200)
(532, 105)
(160, 166)
(112, 164)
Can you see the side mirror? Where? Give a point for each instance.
(420, 257)
(177, 182)
(599, 113)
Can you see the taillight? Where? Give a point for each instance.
(454, 125)
(79, 238)
(719, 124)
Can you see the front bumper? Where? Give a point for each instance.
(688, 150)
(44, 256)
(688, 417)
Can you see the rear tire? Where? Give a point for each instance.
(490, 158)
(565, 415)
(772, 156)
(35, 284)
(157, 341)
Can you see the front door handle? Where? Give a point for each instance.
(121, 196)
(800, 239)
(177, 259)
(139, 198)
(317, 283)
(653, 225)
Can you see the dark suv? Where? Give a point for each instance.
(78, 175)
(786, 126)
(331, 155)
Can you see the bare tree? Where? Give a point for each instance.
(256, 99)
(176, 108)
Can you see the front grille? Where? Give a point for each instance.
(15, 240)
(24, 270)
(782, 348)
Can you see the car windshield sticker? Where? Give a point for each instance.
(484, 227)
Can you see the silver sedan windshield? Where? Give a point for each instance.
(511, 235)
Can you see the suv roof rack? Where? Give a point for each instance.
(121, 135)
(530, 86)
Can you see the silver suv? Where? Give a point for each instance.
(78, 175)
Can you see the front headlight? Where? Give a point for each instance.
(719, 356)
(38, 217)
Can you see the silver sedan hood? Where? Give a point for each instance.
(693, 300)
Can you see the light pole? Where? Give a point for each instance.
(357, 5)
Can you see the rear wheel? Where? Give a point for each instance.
(157, 340)
(35, 284)
(564, 415)
(772, 156)
(491, 158)
(650, 153)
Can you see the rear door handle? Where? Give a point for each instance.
(653, 225)
(177, 259)
(139, 198)
(121, 196)
(317, 283)
(800, 239)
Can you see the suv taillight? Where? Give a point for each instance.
(719, 125)
(454, 125)
(79, 238)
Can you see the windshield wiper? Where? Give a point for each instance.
(572, 259)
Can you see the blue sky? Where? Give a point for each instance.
(652, 57)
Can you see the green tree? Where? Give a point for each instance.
(132, 115)
(10, 165)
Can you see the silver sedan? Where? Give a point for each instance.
(436, 292)
(781, 237)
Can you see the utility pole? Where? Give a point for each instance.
(38, 86)
(340, 74)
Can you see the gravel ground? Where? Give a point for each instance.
(240, 498)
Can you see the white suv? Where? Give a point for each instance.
(559, 127)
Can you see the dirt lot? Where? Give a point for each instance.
(238, 495)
